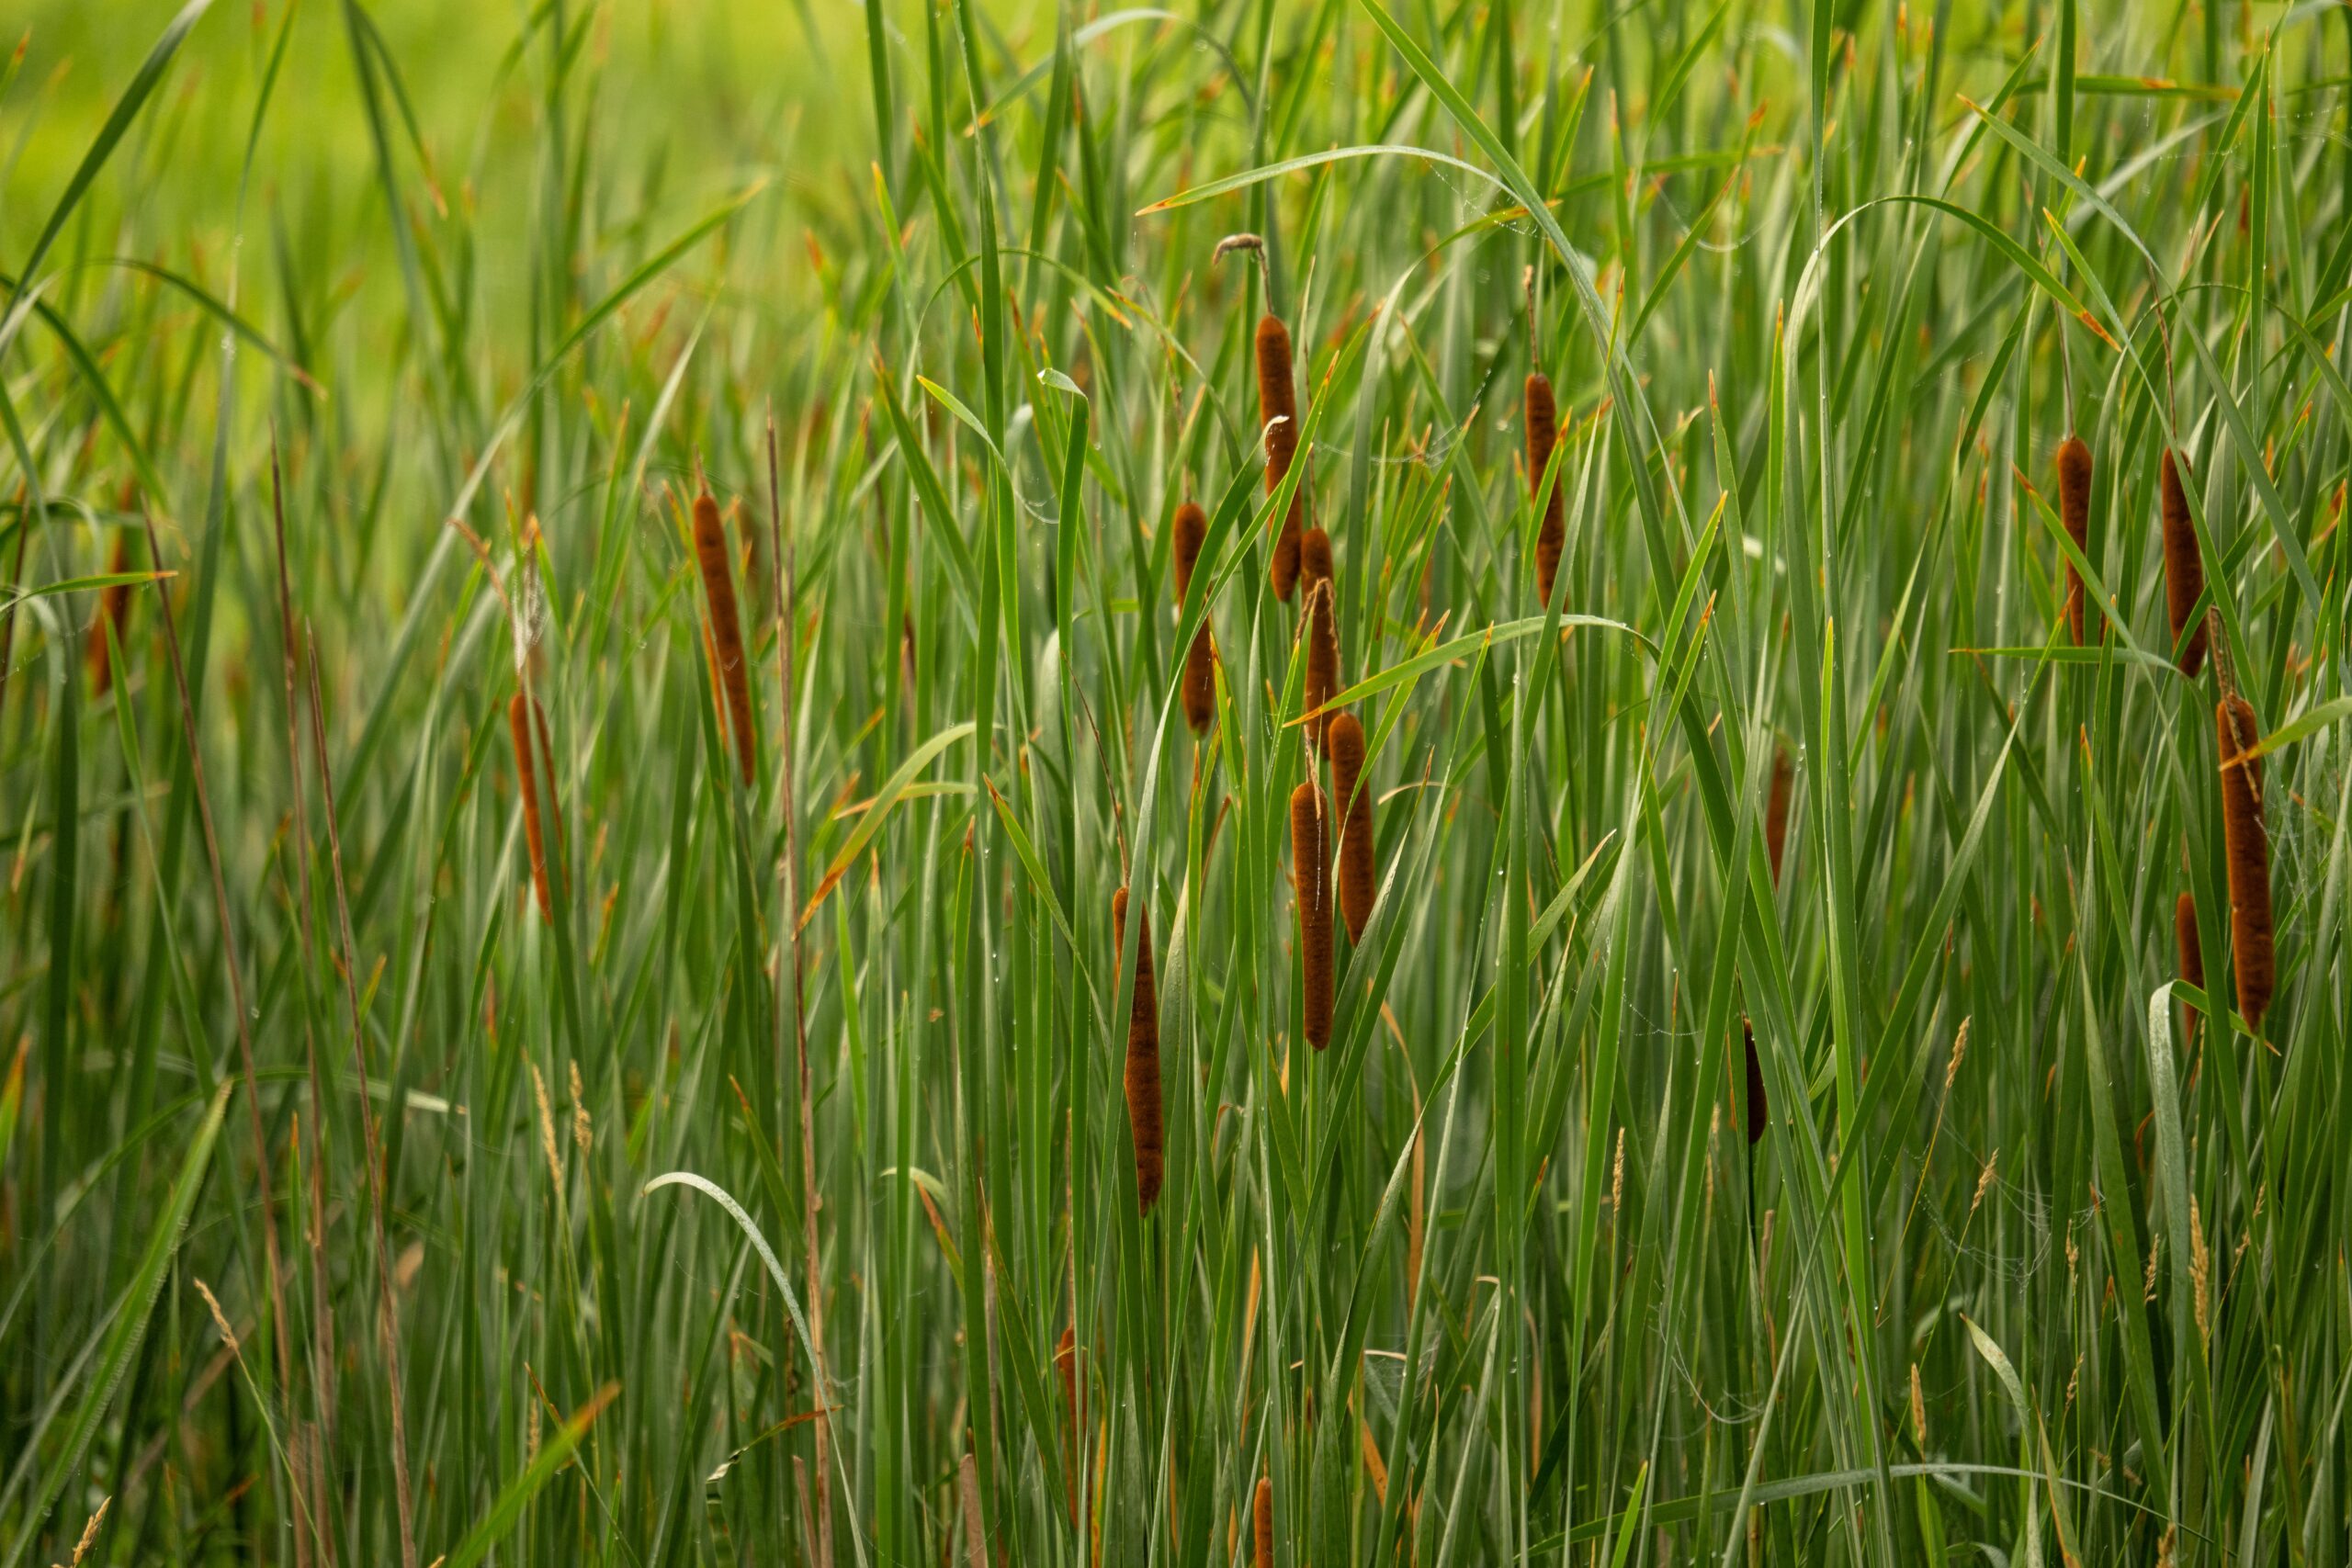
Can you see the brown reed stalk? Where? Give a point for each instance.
(2192, 956)
(1262, 1524)
(1322, 609)
(1199, 660)
(1310, 861)
(1278, 413)
(1357, 874)
(1776, 809)
(2184, 566)
(2248, 851)
(1143, 1054)
(114, 612)
(2074, 511)
(726, 630)
(534, 764)
(1543, 425)
(1759, 1111)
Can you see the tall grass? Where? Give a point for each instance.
(742, 1166)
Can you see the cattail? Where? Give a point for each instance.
(1759, 1114)
(527, 722)
(1278, 412)
(1310, 864)
(1357, 871)
(2184, 566)
(1262, 1524)
(2074, 511)
(2249, 856)
(726, 630)
(1143, 1052)
(1543, 420)
(114, 611)
(1199, 660)
(2192, 952)
(1776, 809)
(1322, 628)
(1066, 1366)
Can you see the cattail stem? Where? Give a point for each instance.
(1143, 1054)
(2184, 566)
(734, 670)
(2074, 512)
(1192, 527)
(1278, 413)
(1310, 859)
(1322, 628)
(527, 722)
(1358, 872)
(1543, 426)
(2252, 955)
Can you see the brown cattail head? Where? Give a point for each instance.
(114, 611)
(1310, 865)
(2248, 851)
(526, 724)
(726, 631)
(1351, 793)
(2184, 566)
(1143, 1054)
(1262, 1524)
(2074, 511)
(2192, 952)
(1322, 628)
(1543, 434)
(1278, 413)
(1759, 1114)
(1066, 1367)
(1199, 660)
(1776, 809)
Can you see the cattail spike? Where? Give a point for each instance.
(1262, 1524)
(1199, 660)
(1143, 1054)
(1322, 628)
(2184, 566)
(734, 668)
(1759, 1114)
(1358, 874)
(1310, 859)
(2248, 851)
(2192, 954)
(1278, 413)
(2074, 511)
(1776, 809)
(1542, 422)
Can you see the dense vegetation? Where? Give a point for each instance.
(638, 928)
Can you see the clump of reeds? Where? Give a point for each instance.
(2184, 566)
(731, 665)
(1310, 861)
(1759, 1114)
(2192, 952)
(1192, 528)
(1541, 417)
(1776, 809)
(1143, 1054)
(1357, 873)
(1262, 1524)
(527, 723)
(2074, 512)
(2248, 852)
(1322, 609)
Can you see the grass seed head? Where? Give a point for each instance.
(727, 653)
(2074, 512)
(1278, 413)
(1192, 528)
(1542, 422)
(1357, 873)
(2248, 852)
(1310, 861)
(2184, 566)
(1143, 1054)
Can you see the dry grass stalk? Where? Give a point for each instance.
(527, 722)
(727, 659)
(1311, 873)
